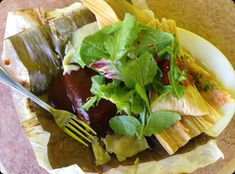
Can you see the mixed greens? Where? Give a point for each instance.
(131, 54)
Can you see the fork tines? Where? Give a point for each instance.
(76, 128)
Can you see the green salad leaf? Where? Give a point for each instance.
(175, 75)
(117, 44)
(125, 125)
(97, 82)
(141, 70)
(142, 92)
(152, 41)
(132, 126)
(91, 102)
(93, 49)
(158, 121)
(114, 92)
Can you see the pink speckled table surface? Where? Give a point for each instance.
(212, 19)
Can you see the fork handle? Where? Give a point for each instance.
(6, 78)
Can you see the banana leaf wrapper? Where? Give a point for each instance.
(40, 50)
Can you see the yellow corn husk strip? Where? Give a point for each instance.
(122, 6)
(105, 15)
(217, 96)
(174, 137)
(167, 142)
(179, 134)
(189, 124)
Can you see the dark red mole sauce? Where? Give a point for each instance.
(71, 91)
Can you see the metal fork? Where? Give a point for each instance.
(67, 121)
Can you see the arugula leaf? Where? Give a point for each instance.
(158, 121)
(111, 29)
(174, 74)
(97, 82)
(140, 70)
(137, 104)
(77, 58)
(142, 118)
(177, 89)
(121, 96)
(142, 92)
(182, 75)
(162, 89)
(125, 125)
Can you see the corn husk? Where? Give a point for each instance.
(122, 6)
(198, 117)
(104, 13)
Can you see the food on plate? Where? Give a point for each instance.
(131, 81)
